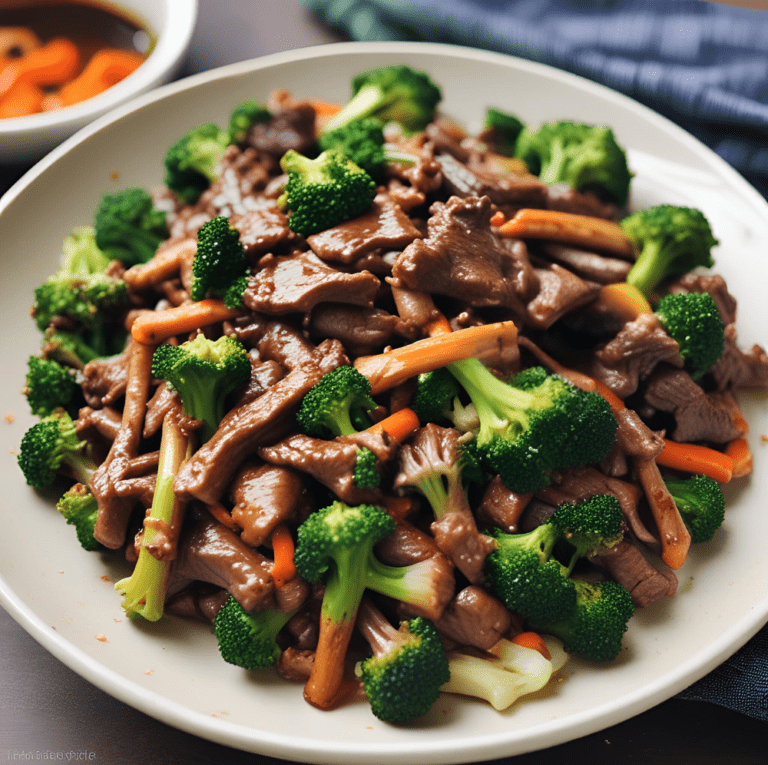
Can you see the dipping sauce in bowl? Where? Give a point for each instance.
(55, 53)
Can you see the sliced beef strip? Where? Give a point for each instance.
(383, 226)
(740, 369)
(264, 497)
(264, 374)
(297, 283)
(200, 600)
(586, 264)
(475, 618)
(263, 227)
(292, 127)
(633, 354)
(362, 331)
(332, 462)
(627, 565)
(210, 552)
(407, 544)
(105, 379)
(457, 537)
(424, 176)
(461, 257)
(560, 292)
(500, 506)
(560, 196)
(244, 429)
(509, 192)
(698, 416)
(634, 437)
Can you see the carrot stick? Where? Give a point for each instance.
(697, 460)
(107, 67)
(498, 218)
(324, 108)
(53, 64)
(673, 534)
(741, 455)
(532, 640)
(625, 300)
(399, 507)
(22, 98)
(155, 327)
(585, 230)
(166, 262)
(284, 568)
(438, 326)
(222, 515)
(579, 379)
(399, 425)
(386, 370)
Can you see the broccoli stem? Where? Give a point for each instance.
(344, 589)
(144, 591)
(366, 101)
(648, 269)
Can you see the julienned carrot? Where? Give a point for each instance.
(166, 262)
(324, 108)
(498, 218)
(386, 370)
(585, 230)
(284, 568)
(438, 326)
(223, 516)
(579, 379)
(399, 425)
(625, 300)
(532, 640)
(697, 460)
(399, 507)
(155, 327)
(20, 99)
(107, 67)
(674, 536)
(741, 455)
(53, 64)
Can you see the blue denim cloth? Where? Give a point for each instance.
(703, 65)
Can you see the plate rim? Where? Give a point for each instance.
(276, 744)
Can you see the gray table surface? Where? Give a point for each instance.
(47, 712)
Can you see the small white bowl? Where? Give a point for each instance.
(171, 22)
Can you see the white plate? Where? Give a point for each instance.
(172, 670)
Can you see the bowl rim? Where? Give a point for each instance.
(171, 46)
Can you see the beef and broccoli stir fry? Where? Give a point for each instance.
(391, 406)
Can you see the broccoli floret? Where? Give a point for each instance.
(204, 372)
(335, 545)
(249, 639)
(403, 677)
(393, 94)
(671, 241)
(128, 227)
(594, 629)
(701, 504)
(503, 129)
(81, 294)
(68, 348)
(49, 385)
(693, 321)
(435, 395)
(192, 163)
(366, 475)
(586, 157)
(243, 117)
(79, 508)
(52, 446)
(526, 571)
(220, 263)
(362, 141)
(534, 424)
(338, 405)
(144, 590)
(323, 192)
